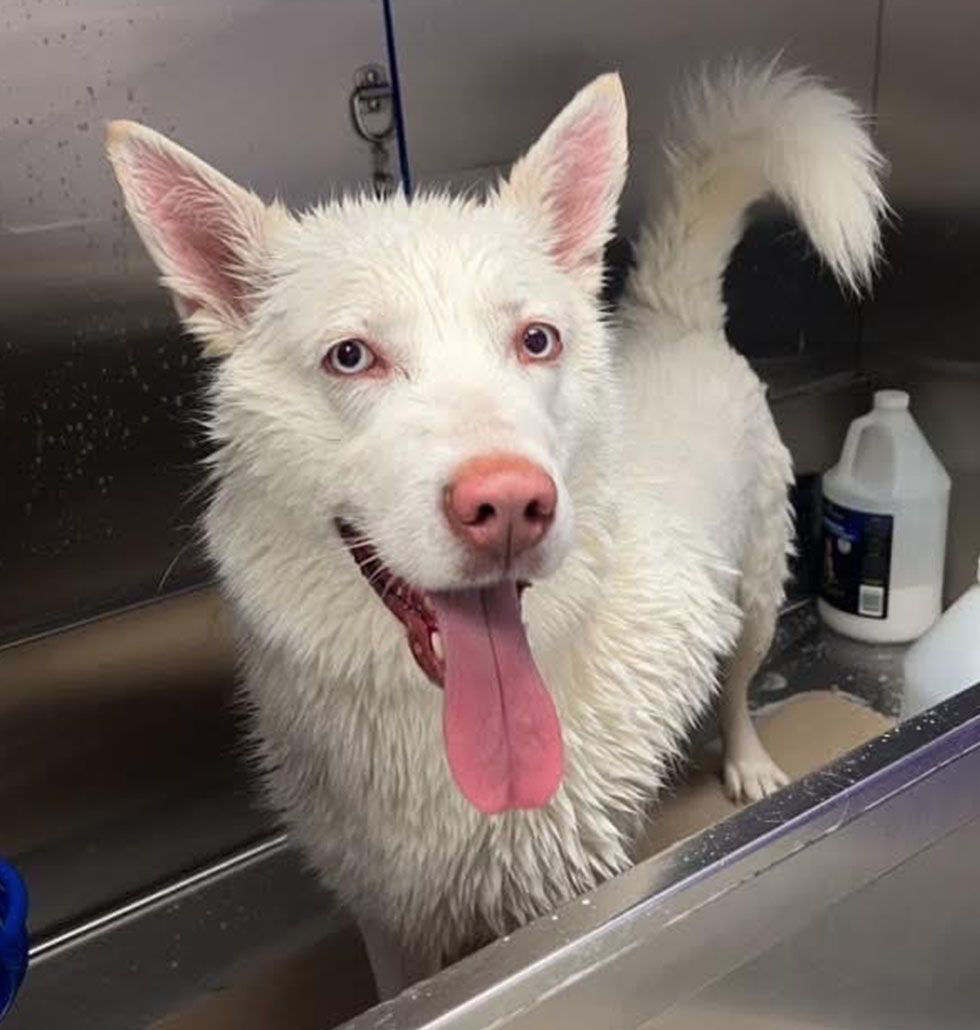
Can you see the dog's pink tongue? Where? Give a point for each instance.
(502, 733)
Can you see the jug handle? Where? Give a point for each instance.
(852, 444)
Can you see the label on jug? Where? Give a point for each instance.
(856, 553)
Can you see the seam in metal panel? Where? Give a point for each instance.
(396, 93)
(49, 946)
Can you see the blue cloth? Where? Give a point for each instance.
(13, 934)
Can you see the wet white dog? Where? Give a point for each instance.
(421, 409)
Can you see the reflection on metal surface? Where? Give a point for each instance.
(194, 941)
(100, 391)
(921, 328)
(894, 954)
(479, 81)
(168, 892)
(123, 840)
(806, 655)
(639, 949)
(652, 946)
(124, 763)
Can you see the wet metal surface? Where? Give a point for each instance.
(102, 443)
(99, 390)
(648, 948)
(124, 757)
(194, 939)
(806, 655)
(278, 909)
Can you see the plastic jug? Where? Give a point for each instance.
(947, 659)
(885, 505)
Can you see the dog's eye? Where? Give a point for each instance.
(540, 342)
(349, 358)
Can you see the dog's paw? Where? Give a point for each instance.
(752, 777)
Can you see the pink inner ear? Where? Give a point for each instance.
(580, 190)
(196, 224)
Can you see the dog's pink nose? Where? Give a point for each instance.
(501, 503)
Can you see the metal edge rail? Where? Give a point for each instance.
(507, 981)
(140, 904)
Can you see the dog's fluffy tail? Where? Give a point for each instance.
(743, 135)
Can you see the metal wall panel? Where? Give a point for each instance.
(922, 327)
(480, 81)
(99, 390)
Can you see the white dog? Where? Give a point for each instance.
(420, 409)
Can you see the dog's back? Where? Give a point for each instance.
(708, 436)
(700, 411)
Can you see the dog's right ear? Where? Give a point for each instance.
(206, 234)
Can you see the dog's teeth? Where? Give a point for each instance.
(435, 642)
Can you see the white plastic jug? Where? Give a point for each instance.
(947, 659)
(885, 505)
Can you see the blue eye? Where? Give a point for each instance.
(349, 358)
(540, 342)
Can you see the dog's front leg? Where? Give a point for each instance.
(394, 966)
(749, 773)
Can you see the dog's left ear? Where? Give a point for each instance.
(571, 179)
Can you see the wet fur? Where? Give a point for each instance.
(665, 572)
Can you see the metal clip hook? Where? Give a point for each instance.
(372, 95)
(371, 98)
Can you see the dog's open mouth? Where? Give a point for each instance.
(502, 734)
(411, 607)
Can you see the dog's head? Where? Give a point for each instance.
(427, 382)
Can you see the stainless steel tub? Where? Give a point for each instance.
(843, 901)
